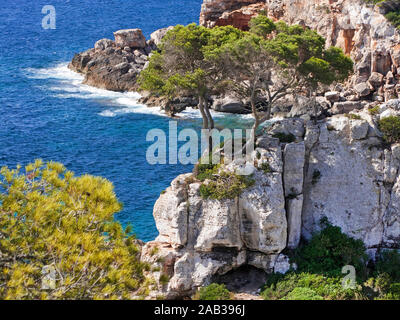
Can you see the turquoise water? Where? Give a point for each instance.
(47, 113)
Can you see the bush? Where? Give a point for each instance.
(374, 111)
(266, 167)
(225, 185)
(286, 287)
(59, 239)
(353, 116)
(390, 128)
(214, 292)
(389, 262)
(329, 251)
(303, 294)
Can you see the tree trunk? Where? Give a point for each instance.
(205, 114)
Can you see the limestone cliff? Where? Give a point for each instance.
(338, 168)
(360, 29)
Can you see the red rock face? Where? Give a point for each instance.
(212, 10)
(240, 18)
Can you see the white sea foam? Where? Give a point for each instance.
(66, 84)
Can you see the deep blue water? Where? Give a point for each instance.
(46, 113)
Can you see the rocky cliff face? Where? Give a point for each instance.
(361, 30)
(337, 168)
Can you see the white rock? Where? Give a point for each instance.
(294, 211)
(359, 129)
(294, 154)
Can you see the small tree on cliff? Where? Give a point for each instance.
(185, 66)
(58, 238)
(285, 60)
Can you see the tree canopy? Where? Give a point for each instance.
(262, 66)
(58, 237)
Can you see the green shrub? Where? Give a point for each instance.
(266, 167)
(389, 262)
(329, 251)
(225, 185)
(301, 293)
(204, 171)
(390, 128)
(283, 287)
(285, 138)
(353, 116)
(214, 292)
(374, 111)
(392, 15)
(164, 279)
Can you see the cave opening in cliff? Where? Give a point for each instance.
(245, 279)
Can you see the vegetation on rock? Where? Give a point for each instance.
(319, 271)
(390, 128)
(263, 65)
(213, 292)
(392, 10)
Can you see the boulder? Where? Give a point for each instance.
(376, 79)
(157, 36)
(132, 38)
(104, 44)
(332, 96)
(229, 105)
(345, 107)
(359, 129)
(362, 89)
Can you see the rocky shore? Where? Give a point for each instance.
(360, 29)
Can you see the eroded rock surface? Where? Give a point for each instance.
(337, 168)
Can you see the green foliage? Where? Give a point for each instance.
(394, 18)
(204, 170)
(304, 50)
(59, 239)
(389, 262)
(285, 138)
(306, 286)
(329, 251)
(262, 26)
(185, 63)
(301, 293)
(266, 167)
(225, 185)
(393, 12)
(353, 116)
(164, 279)
(214, 292)
(374, 111)
(390, 128)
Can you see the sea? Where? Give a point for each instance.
(47, 113)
